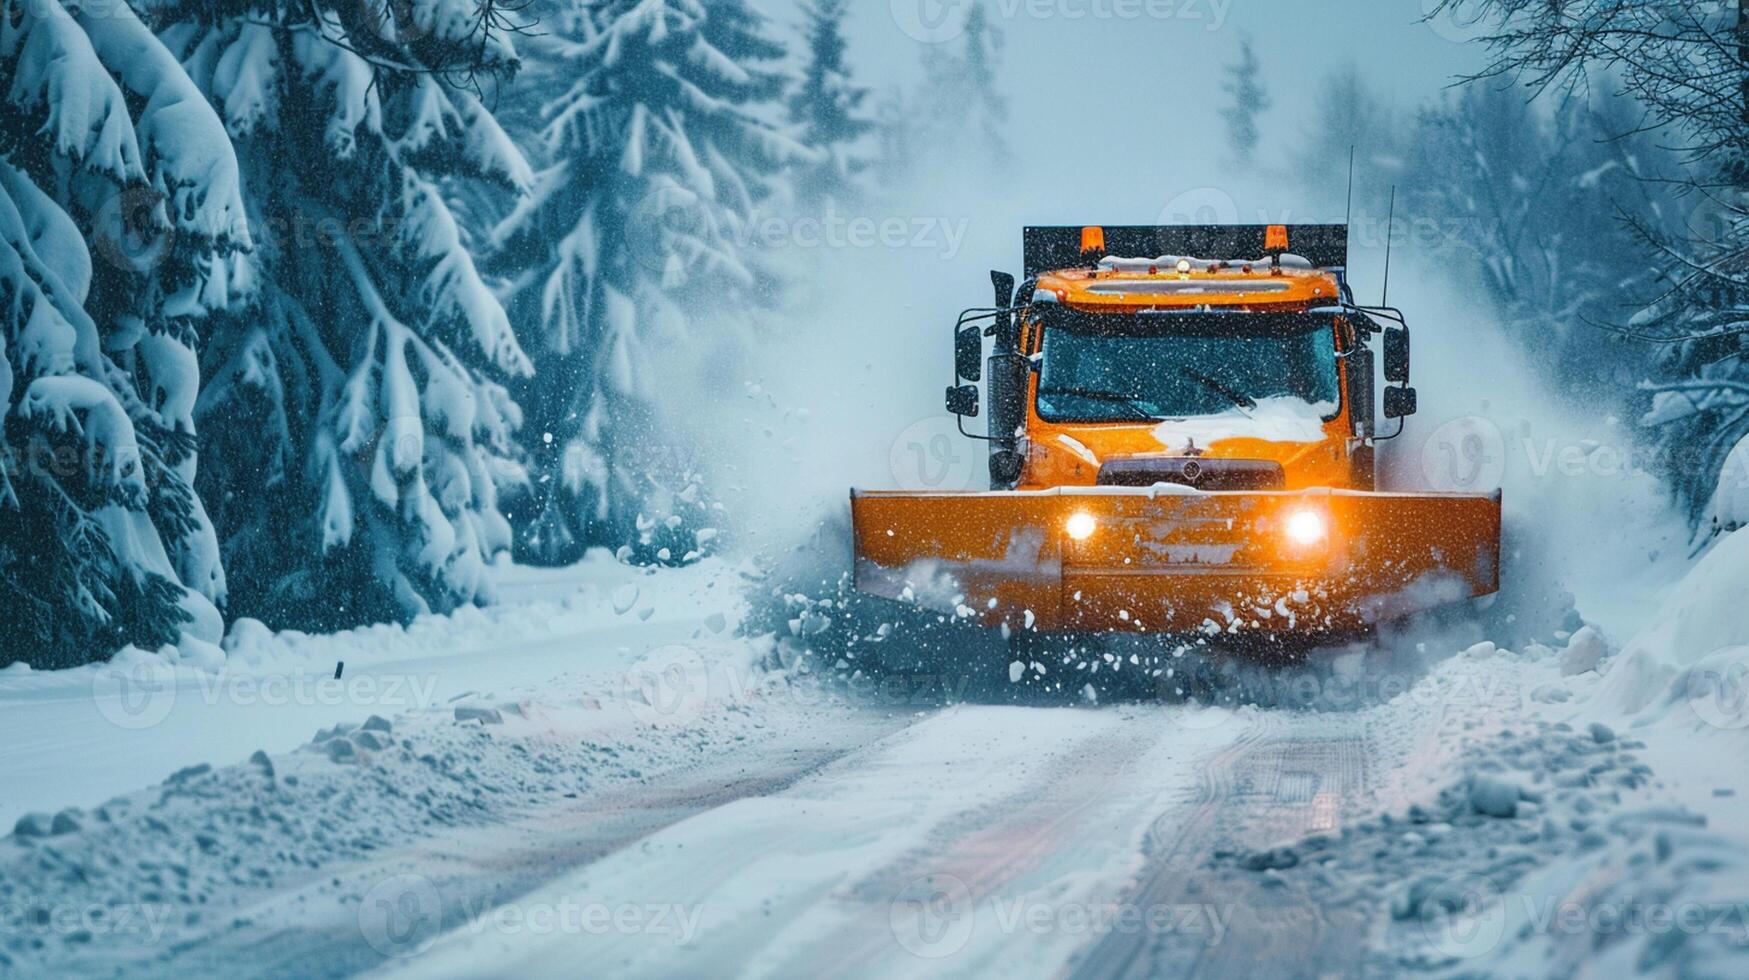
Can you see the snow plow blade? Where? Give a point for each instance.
(1159, 561)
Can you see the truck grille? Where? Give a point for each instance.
(1194, 471)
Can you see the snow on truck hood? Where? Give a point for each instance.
(1278, 419)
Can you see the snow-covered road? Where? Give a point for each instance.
(648, 794)
(1026, 841)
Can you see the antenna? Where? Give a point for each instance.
(1348, 218)
(1390, 228)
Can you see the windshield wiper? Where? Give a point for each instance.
(1239, 398)
(1135, 405)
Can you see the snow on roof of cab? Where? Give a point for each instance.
(1165, 263)
(1156, 287)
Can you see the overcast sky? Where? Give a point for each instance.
(1143, 76)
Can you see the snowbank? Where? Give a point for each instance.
(83, 734)
(1694, 656)
(160, 875)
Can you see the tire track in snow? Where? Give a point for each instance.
(776, 877)
(1270, 785)
(989, 851)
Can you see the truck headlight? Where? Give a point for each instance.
(1306, 528)
(1081, 526)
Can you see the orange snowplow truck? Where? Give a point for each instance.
(1181, 433)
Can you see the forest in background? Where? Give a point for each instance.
(311, 312)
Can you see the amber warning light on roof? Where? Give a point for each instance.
(1275, 239)
(1093, 241)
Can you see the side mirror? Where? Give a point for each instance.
(968, 354)
(962, 400)
(1004, 283)
(1399, 402)
(1396, 356)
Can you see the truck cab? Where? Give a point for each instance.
(1215, 374)
(1181, 430)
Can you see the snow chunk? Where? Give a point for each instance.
(1494, 796)
(1585, 649)
(1729, 507)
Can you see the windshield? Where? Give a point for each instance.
(1130, 367)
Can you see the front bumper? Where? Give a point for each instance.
(1160, 560)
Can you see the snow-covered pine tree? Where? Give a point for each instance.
(121, 233)
(895, 138)
(1250, 99)
(959, 105)
(357, 413)
(662, 142)
(826, 107)
(1350, 116)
